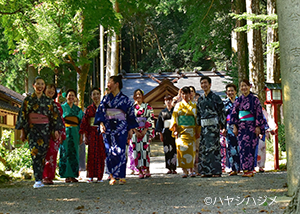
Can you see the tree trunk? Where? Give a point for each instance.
(102, 86)
(289, 38)
(32, 73)
(239, 41)
(256, 63)
(81, 84)
(108, 59)
(115, 54)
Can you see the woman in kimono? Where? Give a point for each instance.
(162, 127)
(94, 140)
(185, 129)
(116, 118)
(51, 157)
(37, 119)
(69, 149)
(233, 157)
(142, 135)
(248, 121)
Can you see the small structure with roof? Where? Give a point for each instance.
(10, 103)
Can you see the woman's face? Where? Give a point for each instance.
(50, 92)
(168, 103)
(39, 86)
(186, 97)
(96, 96)
(138, 96)
(245, 89)
(231, 92)
(193, 93)
(71, 97)
(112, 86)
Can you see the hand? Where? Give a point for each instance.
(224, 132)
(161, 137)
(81, 139)
(56, 135)
(197, 136)
(257, 131)
(102, 128)
(130, 133)
(235, 130)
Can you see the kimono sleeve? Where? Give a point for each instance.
(131, 119)
(150, 121)
(22, 121)
(84, 125)
(63, 130)
(101, 112)
(159, 123)
(234, 116)
(55, 118)
(259, 118)
(198, 109)
(220, 108)
(174, 119)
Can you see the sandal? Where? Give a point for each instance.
(169, 172)
(216, 176)
(74, 180)
(206, 176)
(233, 173)
(122, 181)
(141, 176)
(193, 174)
(68, 180)
(148, 175)
(184, 176)
(174, 172)
(112, 182)
(248, 174)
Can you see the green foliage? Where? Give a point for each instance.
(281, 137)
(15, 159)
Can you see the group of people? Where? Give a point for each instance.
(239, 121)
(189, 128)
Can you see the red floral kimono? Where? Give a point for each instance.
(51, 157)
(96, 149)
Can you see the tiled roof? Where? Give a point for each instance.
(12, 94)
(6, 106)
(133, 81)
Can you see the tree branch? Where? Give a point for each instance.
(10, 13)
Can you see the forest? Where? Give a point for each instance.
(70, 42)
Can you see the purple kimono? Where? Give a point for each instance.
(247, 115)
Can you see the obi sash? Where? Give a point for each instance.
(114, 113)
(167, 123)
(141, 121)
(71, 121)
(246, 116)
(228, 118)
(209, 121)
(35, 118)
(92, 120)
(186, 120)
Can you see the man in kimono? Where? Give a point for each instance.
(211, 117)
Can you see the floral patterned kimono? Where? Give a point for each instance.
(38, 134)
(184, 116)
(51, 157)
(117, 127)
(96, 149)
(141, 146)
(247, 115)
(69, 149)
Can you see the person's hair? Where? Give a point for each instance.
(37, 78)
(186, 90)
(245, 81)
(230, 85)
(206, 78)
(117, 79)
(51, 86)
(69, 90)
(140, 90)
(197, 94)
(95, 89)
(193, 88)
(168, 97)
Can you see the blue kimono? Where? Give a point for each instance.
(115, 136)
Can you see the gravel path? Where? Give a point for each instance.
(161, 193)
